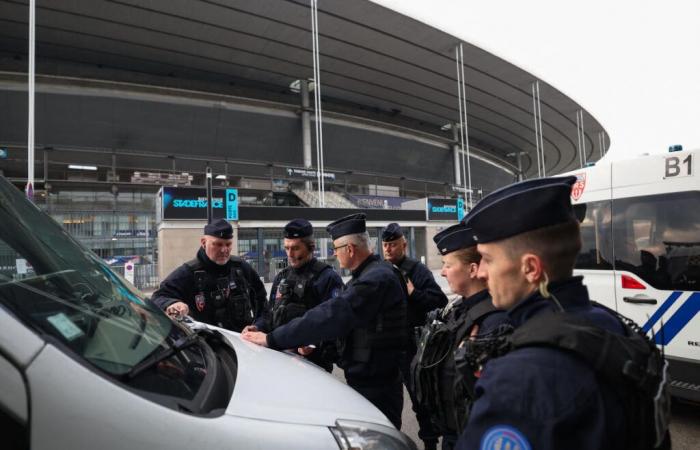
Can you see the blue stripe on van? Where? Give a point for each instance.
(680, 319)
(662, 309)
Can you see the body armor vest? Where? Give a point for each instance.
(439, 386)
(230, 296)
(388, 330)
(295, 293)
(630, 363)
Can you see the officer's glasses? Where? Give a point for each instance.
(335, 249)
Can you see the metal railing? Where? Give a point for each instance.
(145, 275)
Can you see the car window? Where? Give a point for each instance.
(69, 295)
(657, 238)
(596, 235)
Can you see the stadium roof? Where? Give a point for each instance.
(375, 63)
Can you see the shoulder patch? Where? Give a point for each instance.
(504, 437)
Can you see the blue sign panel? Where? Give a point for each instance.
(231, 204)
(191, 203)
(460, 209)
(445, 209)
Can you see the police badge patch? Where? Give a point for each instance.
(199, 302)
(504, 437)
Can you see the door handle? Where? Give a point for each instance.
(642, 299)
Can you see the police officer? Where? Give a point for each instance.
(303, 284)
(369, 315)
(539, 397)
(215, 287)
(443, 389)
(424, 295)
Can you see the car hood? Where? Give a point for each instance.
(282, 387)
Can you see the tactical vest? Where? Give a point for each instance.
(387, 331)
(630, 364)
(438, 384)
(406, 267)
(230, 296)
(296, 294)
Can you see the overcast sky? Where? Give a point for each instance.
(634, 65)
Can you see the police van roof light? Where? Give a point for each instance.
(629, 282)
(675, 148)
(589, 164)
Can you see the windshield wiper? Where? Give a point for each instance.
(177, 346)
(142, 327)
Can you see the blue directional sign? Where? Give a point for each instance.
(445, 209)
(460, 209)
(231, 204)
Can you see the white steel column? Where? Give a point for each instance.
(30, 119)
(455, 153)
(317, 99)
(305, 128)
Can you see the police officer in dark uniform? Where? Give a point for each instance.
(444, 390)
(302, 285)
(424, 295)
(539, 397)
(369, 316)
(215, 287)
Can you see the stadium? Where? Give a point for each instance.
(306, 113)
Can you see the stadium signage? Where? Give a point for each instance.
(191, 203)
(308, 173)
(445, 209)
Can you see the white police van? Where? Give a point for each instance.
(641, 250)
(87, 362)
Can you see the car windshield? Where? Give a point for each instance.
(65, 292)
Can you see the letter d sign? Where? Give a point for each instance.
(231, 204)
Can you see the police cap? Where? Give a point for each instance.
(454, 238)
(352, 224)
(298, 228)
(392, 232)
(524, 206)
(219, 228)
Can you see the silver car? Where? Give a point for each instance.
(87, 362)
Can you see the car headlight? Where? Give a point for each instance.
(353, 435)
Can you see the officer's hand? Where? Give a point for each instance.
(474, 332)
(249, 328)
(177, 309)
(306, 350)
(410, 287)
(256, 337)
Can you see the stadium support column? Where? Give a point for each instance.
(29, 189)
(305, 127)
(455, 151)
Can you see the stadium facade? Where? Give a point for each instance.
(134, 96)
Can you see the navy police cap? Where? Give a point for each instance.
(392, 232)
(520, 207)
(219, 228)
(454, 238)
(352, 224)
(298, 228)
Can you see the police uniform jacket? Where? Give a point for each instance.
(461, 307)
(326, 285)
(426, 296)
(374, 289)
(180, 286)
(546, 398)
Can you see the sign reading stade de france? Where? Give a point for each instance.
(444, 209)
(177, 203)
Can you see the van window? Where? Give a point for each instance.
(657, 238)
(596, 235)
